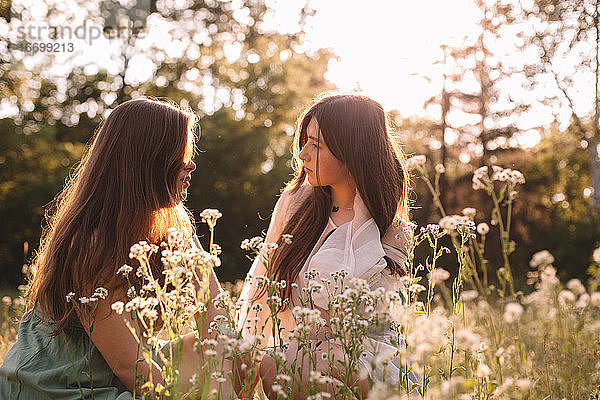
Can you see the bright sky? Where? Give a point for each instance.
(388, 48)
(382, 45)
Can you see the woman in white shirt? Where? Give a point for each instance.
(345, 208)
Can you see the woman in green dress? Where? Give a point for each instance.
(130, 186)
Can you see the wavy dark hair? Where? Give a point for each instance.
(356, 130)
(123, 191)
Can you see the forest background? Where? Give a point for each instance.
(521, 91)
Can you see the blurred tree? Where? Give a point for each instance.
(550, 212)
(247, 82)
(566, 35)
(33, 167)
(494, 110)
(477, 119)
(245, 158)
(558, 183)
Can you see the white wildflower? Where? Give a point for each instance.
(440, 169)
(541, 258)
(596, 255)
(149, 313)
(174, 237)
(595, 299)
(499, 173)
(124, 270)
(86, 300)
(583, 301)
(433, 229)
(415, 162)
(215, 249)
(278, 390)
(142, 249)
(451, 222)
(218, 377)
(283, 377)
(100, 293)
(469, 212)
(516, 177)
(465, 339)
(359, 284)
(565, 297)
(483, 228)
(248, 342)
(416, 288)
(512, 312)
(548, 277)
(439, 275)
(286, 238)
(575, 286)
(469, 295)
(311, 274)
(481, 179)
(253, 244)
(117, 307)
(483, 371)
(222, 300)
(270, 247)
(314, 287)
(210, 216)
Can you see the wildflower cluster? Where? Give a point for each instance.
(437, 335)
(482, 179)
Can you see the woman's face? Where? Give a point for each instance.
(331, 170)
(183, 180)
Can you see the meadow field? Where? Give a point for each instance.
(467, 336)
(495, 105)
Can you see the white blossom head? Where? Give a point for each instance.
(415, 162)
(541, 258)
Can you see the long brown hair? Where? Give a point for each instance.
(123, 191)
(356, 130)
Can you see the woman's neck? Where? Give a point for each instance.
(342, 195)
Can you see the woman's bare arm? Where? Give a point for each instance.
(118, 346)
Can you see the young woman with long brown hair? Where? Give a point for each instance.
(129, 187)
(344, 208)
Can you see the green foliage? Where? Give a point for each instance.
(567, 226)
(32, 169)
(246, 128)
